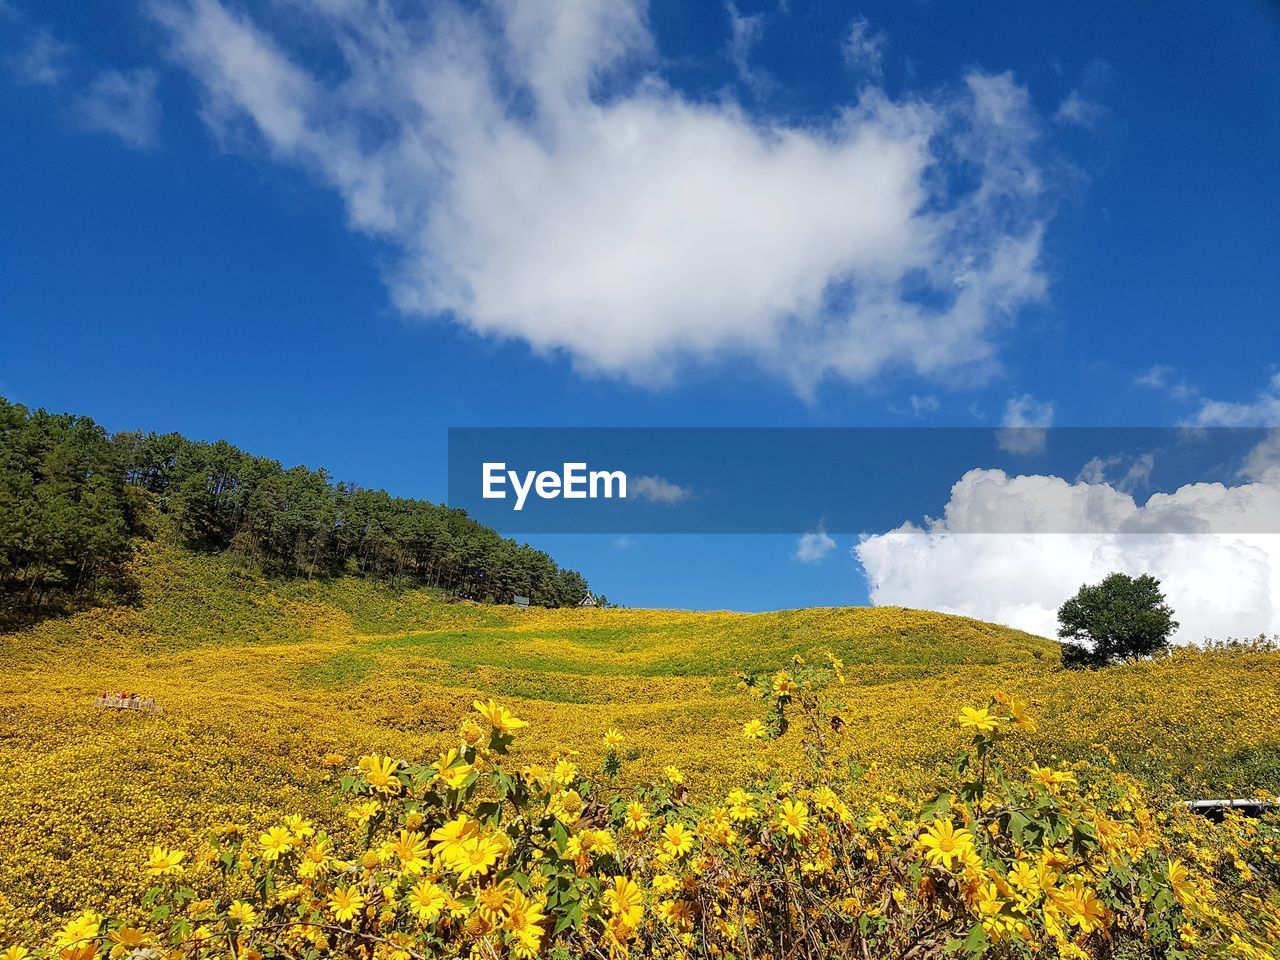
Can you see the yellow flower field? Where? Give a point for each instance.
(260, 682)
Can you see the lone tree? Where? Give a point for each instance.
(1119, 618)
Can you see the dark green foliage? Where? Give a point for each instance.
(1120, 618)
(65, 517)
(72, 499)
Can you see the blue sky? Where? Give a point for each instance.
(681, 214)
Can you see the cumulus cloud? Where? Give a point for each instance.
(122, 103)
(657, 489)
(814, 547)
(1025, 425)
(1220, 567)
(540, 180)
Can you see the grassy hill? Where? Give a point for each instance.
(260, 679)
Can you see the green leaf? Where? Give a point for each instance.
(975, 944)
(566, 920)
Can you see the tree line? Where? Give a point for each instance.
(73, 499)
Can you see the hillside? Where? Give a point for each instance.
(260, 678)
(75, 501)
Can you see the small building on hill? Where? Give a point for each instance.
(588, 601)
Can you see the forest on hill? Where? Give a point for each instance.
(74, 499)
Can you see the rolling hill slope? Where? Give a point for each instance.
(260, 679)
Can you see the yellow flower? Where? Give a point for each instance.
(345, 903)
(944, 844)
(524, 922)
(837, 666)
(673, 775)
(470, 732)
(452, 769)
(677, 913)
(474, 857)
(754, 730)
(315, 860)
(740, 808)
(243, 913)
(793, 818)
(164, 862)
(410, 848)
(1018, 712)
(83, 927)
(1024, 877)
(453, 833)
(276, 842)
(636, 820)
(1184, 888)
(613, 738)
(491, 901)
(677, 840)
(564, 772)
(1048, 777)
(602, 843)
(380, 773)
(15, 953)
(1081, 906)
(427, 900)
(126, 939)
(979, 719)
(499, 718)
(664, 883)
(783, 684)
(362, 813)
(299, 826)
(624, 901)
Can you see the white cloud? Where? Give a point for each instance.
(864, 49)
(922, 405)
(1222, 576)
(1137, 474)
(745, 33)
(814, 547)
(1262, 411)
(1166, 380)
(657, 489)
(1085, 106)
(122, 103)
(43, 61)
(1263, 458)
(541, 181)
(1025, 425)
(1082, 112)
